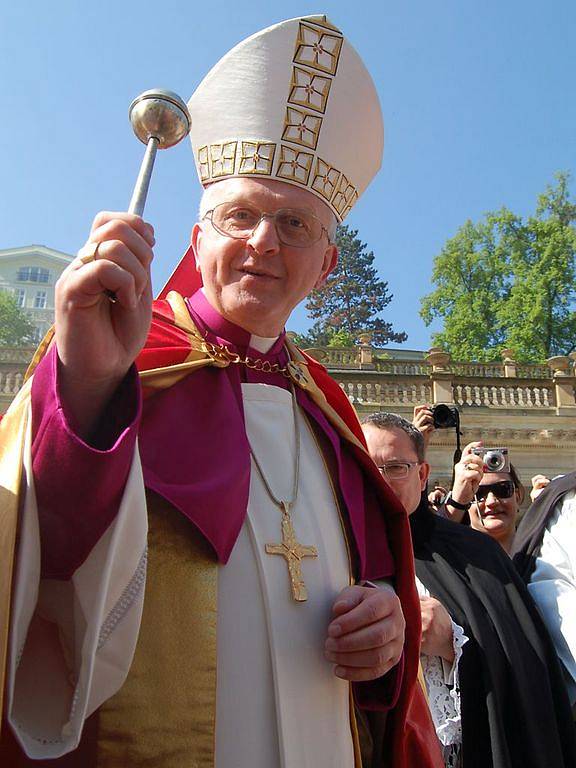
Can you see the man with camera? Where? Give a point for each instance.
(469, 589)
(467, 471)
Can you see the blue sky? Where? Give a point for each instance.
(478, 102)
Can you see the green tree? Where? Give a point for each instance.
(352, 298)
(15, 328)
(509, 282)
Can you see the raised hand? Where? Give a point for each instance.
(98, 339)
(539, 482)
(467, 477)
(423, 419)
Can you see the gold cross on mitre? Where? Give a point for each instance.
(293, 552)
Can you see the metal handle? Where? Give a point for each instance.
(140, 193)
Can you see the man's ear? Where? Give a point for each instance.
(424, 473)
(195, 241)
(328, 265)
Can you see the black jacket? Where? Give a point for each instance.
(515, 709)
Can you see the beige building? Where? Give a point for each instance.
(30, 274)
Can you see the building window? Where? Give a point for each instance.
(20, 297)
(40, 300)
(33, 275)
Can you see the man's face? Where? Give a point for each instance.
(393, 445)
(257, 282)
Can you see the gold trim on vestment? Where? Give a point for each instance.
(422, 682)
(320, 398)
(12, 435)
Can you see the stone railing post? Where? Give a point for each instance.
(564, 383)
(509, 363)
(366, 352)
(442, 391)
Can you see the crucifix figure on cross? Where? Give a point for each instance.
(293, 552)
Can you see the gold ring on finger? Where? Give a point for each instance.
(90, 253)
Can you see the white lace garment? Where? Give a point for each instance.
(443, 688)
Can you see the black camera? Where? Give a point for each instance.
(445, 416)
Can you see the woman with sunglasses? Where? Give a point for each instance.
(497, 501)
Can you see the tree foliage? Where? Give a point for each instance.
(509, 282)
(15, 328)
(352, 298)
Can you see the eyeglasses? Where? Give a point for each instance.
(502, 490)
(294, 227)
(397, 470)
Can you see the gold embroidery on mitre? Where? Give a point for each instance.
(222, 158)
(351, 204)
(317, 49)
(301, 127)
(322, 21)
(345, 196)
(309, 89)
(325, 179)
(203, 166)
(257, 157)
(294, 165)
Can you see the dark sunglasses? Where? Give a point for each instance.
(503, 490)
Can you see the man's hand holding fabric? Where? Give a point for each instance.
(366, 635)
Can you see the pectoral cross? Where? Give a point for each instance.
(293, 552)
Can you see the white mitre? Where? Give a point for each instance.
(293, 102)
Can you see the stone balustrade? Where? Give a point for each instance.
(10, 382)
(436, 378)
(511, 394)
(387, 393)
(372, 379)
(13, 365)
(16, 355)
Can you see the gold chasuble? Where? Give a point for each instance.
(164, 714)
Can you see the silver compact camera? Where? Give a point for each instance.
(495, 459)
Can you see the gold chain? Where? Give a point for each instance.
(222, 353)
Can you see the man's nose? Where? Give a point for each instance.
(264, 237)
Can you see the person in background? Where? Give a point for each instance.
(423, 420)
(488, 661)
(539, 482)
(496, 505)
(544, 551)
(436, 497)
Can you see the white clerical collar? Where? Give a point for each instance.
(262, 343)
